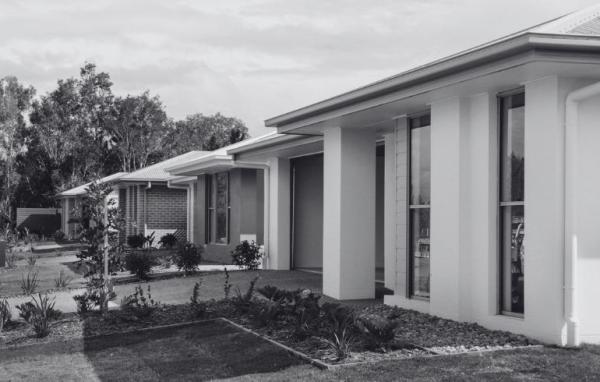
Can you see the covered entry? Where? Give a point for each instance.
(307, 213)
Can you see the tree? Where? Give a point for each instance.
(70, 123)
(137, 130)
(201, 132)
(15, 100)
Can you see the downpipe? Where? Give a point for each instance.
(570, 204)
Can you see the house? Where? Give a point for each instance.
(70, 201)
(467, 185)
(228, 200)
(153, 201)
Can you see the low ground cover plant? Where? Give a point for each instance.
(29, 283)
(188, 258)
(247, 255)
(62, 281)
(39, 312)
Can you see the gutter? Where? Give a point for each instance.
(570, 205)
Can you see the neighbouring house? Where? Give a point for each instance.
(70, 202)
(153, 201)
(466, 185)
(227, 206)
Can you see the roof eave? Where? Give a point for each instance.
(441, 68)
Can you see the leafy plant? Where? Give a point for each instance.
(42, 312)
(340, 320)
(301, 305)
(62, 281)
(226, 284)
(140, 304)
(168, 241)
(5, 314)
(140, 263)
(85, 302)
(99, 292)
(188, 258)
(30, 283)
(247, 255)
(140, 240)
(198, 307)
(377, 332)
(242, 301)
(31, 260)
(99, 218)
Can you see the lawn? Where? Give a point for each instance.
(198, 352)
(47, 268)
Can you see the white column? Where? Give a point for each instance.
(349, 213)
(445, 207)
(279, 214)
(66, 217)
(389, 218)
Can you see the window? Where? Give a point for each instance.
(419, 135)
(217, 217)
(512, 203)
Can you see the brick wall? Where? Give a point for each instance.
(166, 211)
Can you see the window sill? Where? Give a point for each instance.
(514, 316)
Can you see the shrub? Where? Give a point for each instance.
(59, 236)
(198, 307)
(188, 258)
(140, 263)
(140, 305)
(266, 312)
(168, 241)
(5, 314)
(42, 312)
(140, 241)
(30, 283)
(62, 281)
(301, 305)
(247, 255)
(136, 241)
(377, 332)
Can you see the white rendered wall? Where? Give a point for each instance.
(588, 224)
(464, 256)
(349, 213)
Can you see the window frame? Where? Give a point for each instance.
(501, 204)
(211, 208)
(410, 207)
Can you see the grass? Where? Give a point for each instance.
(198, 352)
(47, 269)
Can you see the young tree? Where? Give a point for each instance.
(15, 100)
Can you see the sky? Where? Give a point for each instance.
(251, 59)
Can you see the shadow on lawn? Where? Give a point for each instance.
(200, 351)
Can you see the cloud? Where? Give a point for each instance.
(249, 58)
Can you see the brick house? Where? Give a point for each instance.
(153, 201)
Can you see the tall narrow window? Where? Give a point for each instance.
(217, 210)
(222, 207)
(512, 203)
(210, 210)
(419, 205)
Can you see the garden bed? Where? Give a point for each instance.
(417, 334)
